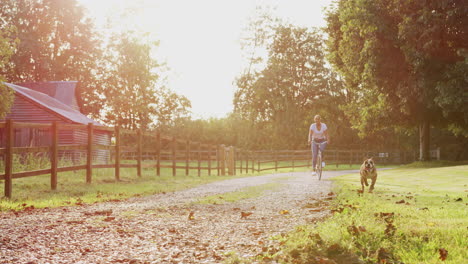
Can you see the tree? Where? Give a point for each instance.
(133, 96)
(57, 42)
(403, 62)
(285, 95)
(7, 46)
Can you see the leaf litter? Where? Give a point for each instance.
(186, 232)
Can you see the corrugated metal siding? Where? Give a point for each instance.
(24, 111)
(100, 137)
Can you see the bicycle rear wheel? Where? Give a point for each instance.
(319, 166)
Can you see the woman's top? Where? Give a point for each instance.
(318, 134)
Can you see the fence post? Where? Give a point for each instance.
(187, 157)
(9, 157)
(54, 156)
(199, 158)
(222, 159)
(89, 156)
(117, 153)
(229, 160)
(218, 158)
(239, 157)
(158, 153)
(139, 147)
(233, 160)
(174, 143)
(209, 159)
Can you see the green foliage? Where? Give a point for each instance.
(7, 46)
(57, 42)
(278, 94)
(134, 97)
(403, 62)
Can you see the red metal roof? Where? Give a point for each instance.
(52, 104)
(64, 91)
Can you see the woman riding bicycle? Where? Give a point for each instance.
(318, 136)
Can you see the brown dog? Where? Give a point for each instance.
(368, 171)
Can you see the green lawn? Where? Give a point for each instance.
(415, 212)
(72, 188)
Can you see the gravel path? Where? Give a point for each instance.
(167, 228)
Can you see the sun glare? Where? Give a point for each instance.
(199, 40)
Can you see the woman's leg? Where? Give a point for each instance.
(314, 155)
(322, 149)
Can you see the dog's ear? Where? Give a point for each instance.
(371, 158)
(364, 159)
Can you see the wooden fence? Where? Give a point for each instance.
(161, 151)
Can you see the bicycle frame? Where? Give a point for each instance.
(319, 168)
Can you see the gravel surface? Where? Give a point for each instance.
(167, 228)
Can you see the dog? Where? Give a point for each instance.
(368, 171)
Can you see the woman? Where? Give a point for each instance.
(318, 133)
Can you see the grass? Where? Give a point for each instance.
(72, 189)
(415, 213)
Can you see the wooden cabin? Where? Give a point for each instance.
(46, 102)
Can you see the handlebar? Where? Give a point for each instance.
(318, 143)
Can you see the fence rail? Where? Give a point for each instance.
(159, 151)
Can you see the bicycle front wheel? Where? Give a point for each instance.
(319, 166)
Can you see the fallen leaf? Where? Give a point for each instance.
(109, 218)
(320, 210)
(353, 230)
(383, 255)
(191, 216)
(443, 253)
(245, 214)
(390, 230)
(284, 212)
(103, 212)
(400, 202)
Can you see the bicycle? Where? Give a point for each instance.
(318, 166)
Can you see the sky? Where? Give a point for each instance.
(199, 40)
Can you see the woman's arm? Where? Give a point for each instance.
(311, 133)
(327, 136)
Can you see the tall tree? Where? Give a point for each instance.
(7, 46)
(57, 43)
(134, 96)
(403, 62)
(286, 93)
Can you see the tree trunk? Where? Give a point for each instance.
(424, 140)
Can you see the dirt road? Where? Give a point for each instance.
(167, 228)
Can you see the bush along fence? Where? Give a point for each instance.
(89, 147)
